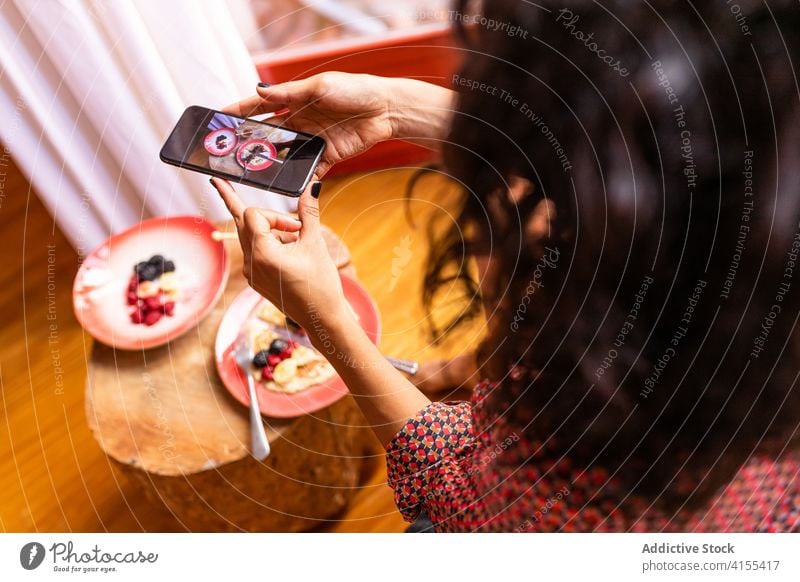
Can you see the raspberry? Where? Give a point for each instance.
(169, 308)
(133, 299)
(273, 360)
(153, 303)
(152, 317)
(266, 374)
(287, 353)
(137, 315)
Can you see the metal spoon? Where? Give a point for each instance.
(259, 445)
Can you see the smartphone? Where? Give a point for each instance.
(243, 150)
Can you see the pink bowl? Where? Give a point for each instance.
(99, 291)
(275, 404)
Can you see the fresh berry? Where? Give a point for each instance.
(260, 359)
(152, 303)
(266, 374)
(152, 317)
(287, 353)
(273, 360)
(277, 346)
(137, 316)
(156, 263)
(148, 273)
(146, 294)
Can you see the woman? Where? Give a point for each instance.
(630, 184)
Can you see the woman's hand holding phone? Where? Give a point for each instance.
(353, 112)
(287, 263)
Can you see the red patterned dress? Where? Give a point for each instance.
(447, 462)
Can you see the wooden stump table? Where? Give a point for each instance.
(167, 422)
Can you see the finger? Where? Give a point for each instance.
(281, 222)
(322, 169)
(255, 105)
(286, 237)
(232, 201)
(257, 226)
(308, 209)
(289, 93)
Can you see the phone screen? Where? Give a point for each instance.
(243, 150)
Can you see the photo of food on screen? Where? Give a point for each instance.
(244, 148)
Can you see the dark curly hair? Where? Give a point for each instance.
(651, 330)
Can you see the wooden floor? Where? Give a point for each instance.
(53, 476)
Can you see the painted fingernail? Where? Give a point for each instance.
(265, 85)
(316, 188)
(211, 181)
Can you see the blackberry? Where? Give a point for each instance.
(157, 263)
(169, 266)
(148, 273)
(260, 359)
(277, 346)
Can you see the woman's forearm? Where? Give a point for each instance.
(419, 112)
(384, 395)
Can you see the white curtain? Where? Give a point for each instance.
(89, 90)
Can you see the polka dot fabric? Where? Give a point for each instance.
(451, 461)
